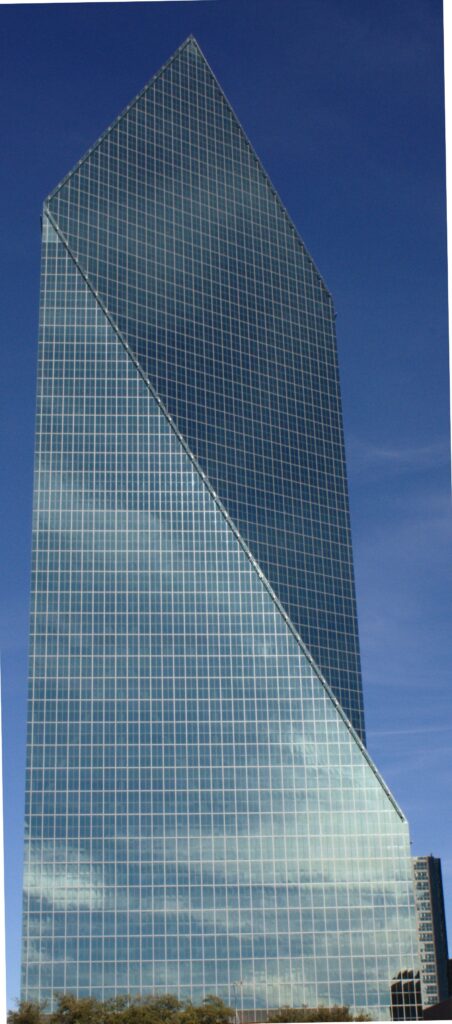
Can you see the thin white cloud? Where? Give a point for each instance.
(363, 455)
(420, 730)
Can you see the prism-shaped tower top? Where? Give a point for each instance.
(185, 242)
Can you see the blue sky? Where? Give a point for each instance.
(343, 102)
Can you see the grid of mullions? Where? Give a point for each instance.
(198, 812)
(183, 237)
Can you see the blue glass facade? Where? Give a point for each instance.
(182, 236)
(199, 810)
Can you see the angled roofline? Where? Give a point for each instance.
(95, 145)
(305, 651)
(266, 175)
(192, 40)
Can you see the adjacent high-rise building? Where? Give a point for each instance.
(431, 919)
(202, 815)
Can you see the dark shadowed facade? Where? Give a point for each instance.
(201, 811)
(431, 923)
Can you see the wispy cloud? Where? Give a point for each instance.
(364, 455)
(420, 730)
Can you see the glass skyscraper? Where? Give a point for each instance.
(202, 815)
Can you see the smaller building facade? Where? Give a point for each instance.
(431, 921)
(449, 976)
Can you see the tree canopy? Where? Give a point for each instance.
(165, 1009)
